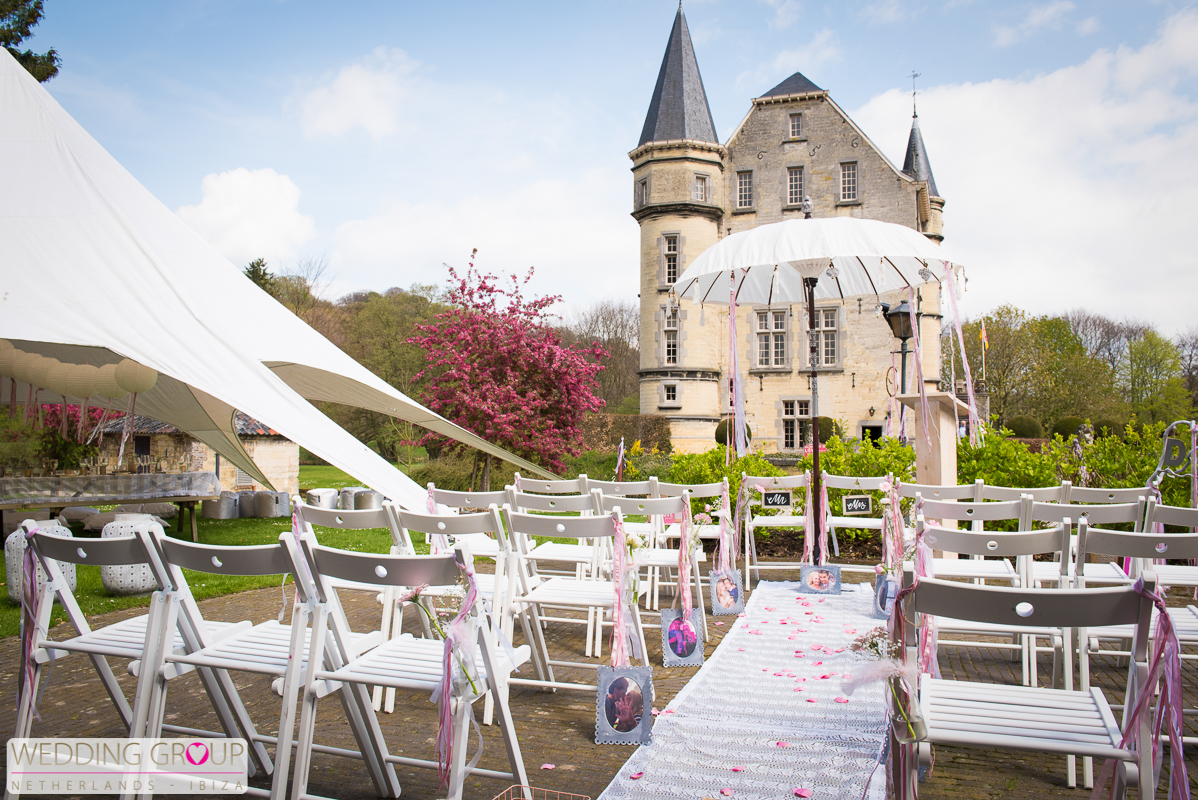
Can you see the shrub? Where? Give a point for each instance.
(1025, 427)
(1002, 461)
(1107, 427)
(1067, 427)
(20, 444)
(828, 428)
(709, 467)
(454, 473)
(721, 431)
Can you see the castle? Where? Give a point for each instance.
(689, 191)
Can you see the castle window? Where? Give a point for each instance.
(671, 336)
(796, 126)
(700, 193)
(848, 181)
(744, 190)
(794, 186)
(671, 259)
(671, 393)
(828, 336)
(796, 423)
(771, 339)
(642, 193)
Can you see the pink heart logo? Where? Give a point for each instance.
(196, 761)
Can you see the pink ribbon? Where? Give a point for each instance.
(907, 753)
(459, 640)
(619, 626)
(928, 661)
(685, 543)
(892, 531)
(975, 429)
(729, 545)
(439, 542)
(928, 421)
(30, 601)
(1165, 664)
(823, 523)
(808, 526)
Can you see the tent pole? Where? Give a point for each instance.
(816, 476)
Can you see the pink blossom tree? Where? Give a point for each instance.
(499, 369)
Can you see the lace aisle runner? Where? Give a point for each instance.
(744, 701)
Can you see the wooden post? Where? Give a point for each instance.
(939, 466)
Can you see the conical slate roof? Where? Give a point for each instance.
(916, 163)
(679, 107)
(795, 84)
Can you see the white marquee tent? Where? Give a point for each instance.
(93, 269)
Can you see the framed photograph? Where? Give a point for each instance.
(623, 704)
(681, 639)
(886, 589)
(727, 593)
(820, 580)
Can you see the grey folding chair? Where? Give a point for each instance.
(851, 483)
(796, 484)
(1048, 572)
(977, 567)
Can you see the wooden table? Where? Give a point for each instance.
(55, 493)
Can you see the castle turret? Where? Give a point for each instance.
(929, 201)
(678, 199)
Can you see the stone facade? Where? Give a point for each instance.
(688, 193)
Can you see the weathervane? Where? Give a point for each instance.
(914, 75)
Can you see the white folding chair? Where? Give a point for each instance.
(476, 501)
(133, 639)
(271, 648)
(978, 568)
(1070, 723)
(656, 556)
(542, 486)
(1180, 516)
(1041, 494)
(580, 555)
(696, 491)
(529, 592)
(402, 663)
(1093, 495)
(646, 488)
(790, 483)
(1048, 572)
(851, 483)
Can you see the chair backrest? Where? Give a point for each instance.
(356, 520)
(1134, 545)
(479, 530)
(552, 503)
(931, 491)
(265, 559)
(1093, 495)
(385, 570)
(691, 490)
(988, 543)
(972, 512)
(647, 506)
(452, 499)
(1096, 514)
(541, 486)
(111, 552)
(623, 488)
(853, 483)
(1173, 515)
(1044, 494)
(776, 481)
(594, 527)
(1057, 608)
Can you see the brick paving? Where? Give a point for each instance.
(554, 727)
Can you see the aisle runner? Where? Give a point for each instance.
(756, 704)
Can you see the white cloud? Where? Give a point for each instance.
(550, 224)
(884, 11)
(1087, 26)
(1072, 188)
(369, 94)
(823, 48)
(247, 214)
(786, 12)
(1049, 15)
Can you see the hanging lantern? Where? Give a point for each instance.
(81, 380)
(135, 378)
(8, 359)
(21, 363)
(107, 385)
(56, 378)
(39, 370)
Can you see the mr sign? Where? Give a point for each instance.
(775, 499)
(857, 505)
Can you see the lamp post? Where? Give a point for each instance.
(899, 319)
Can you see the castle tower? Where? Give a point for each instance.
(928, 200)
(678, 199)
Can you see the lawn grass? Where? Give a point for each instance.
(324, 477)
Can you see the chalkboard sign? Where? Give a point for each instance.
(857, 505)
(775, 499)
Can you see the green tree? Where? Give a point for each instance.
(1151, 380)
(257, 272)
(17, 19)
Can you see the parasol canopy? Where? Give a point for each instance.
(771, 261)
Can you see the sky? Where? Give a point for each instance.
(391, 138)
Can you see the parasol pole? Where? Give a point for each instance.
(816, 476)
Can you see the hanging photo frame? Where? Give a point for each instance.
(622, 706)
(681, 639)
(886, 589)
(727, 593)
(823, 579)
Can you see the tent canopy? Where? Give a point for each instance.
(96, 269)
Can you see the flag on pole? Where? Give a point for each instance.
(982, 336)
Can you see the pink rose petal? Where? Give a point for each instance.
(740, 649)
(742, 614)
(800, 689)
(841, 699)
(803, 792)
(816, 663)
(783, 744)
(767, 608)
(548, 766)
(721, 625)
(726, 792)
(811, 700)
(636, 776)
(656, 711)
(668, 711)
(738, 769)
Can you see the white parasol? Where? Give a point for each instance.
(804, 260)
